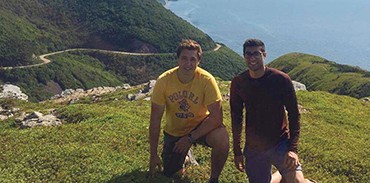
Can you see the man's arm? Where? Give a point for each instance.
(154, 130)
(291, 105)
(214, 105)
(236, 106)
(213, 121)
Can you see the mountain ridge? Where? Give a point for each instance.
(36, 22)
(136, 26)
(320, 74)
(40, 26)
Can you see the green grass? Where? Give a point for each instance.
(334, 142)
(320, 74)
(107, 141)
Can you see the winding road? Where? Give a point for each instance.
(46, 61)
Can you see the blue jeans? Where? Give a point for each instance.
(258, 164)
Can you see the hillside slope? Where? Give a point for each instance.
(31, 28)
(88, 69)
(320, 74)
(107, 141)
(40, 26)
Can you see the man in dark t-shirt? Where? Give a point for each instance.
(265, 93)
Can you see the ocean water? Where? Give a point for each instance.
(337, 30)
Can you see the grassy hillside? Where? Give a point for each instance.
(107, 141)
(70, 71)
(223, 63)
(320, 74)
(88, 69)
(30, 28)
(42, 26)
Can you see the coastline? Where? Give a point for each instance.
(309, 34)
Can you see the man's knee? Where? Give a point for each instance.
(218, 138)
(294, 176)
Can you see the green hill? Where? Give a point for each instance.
(31, 28)
(88, 69)
(107, 141)
(320, 74)
(40, 26)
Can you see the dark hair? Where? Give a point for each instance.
(252, 43)
(189, 45)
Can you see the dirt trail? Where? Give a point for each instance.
(46, 61)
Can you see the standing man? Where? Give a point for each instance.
(265, 93)
(192, 101)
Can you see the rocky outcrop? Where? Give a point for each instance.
(298, 86)
(12, 91)
(71, 95)
(7, 112)
(36, 119)
(366, 99)
(144, 93)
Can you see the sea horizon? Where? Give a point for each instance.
(336, 30)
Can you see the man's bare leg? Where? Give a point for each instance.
(218, 139)
(277, 178)
(295, 177)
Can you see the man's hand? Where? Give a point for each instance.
(183, 145)
(291, 160)
(239, 162)
(154, 162)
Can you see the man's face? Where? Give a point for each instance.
(188, 61)
(255, 58)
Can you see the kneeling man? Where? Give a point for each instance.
(192, 101)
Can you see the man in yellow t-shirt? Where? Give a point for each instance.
(192, 101)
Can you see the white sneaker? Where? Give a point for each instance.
(189, 159)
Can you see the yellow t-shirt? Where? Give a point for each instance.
(185, 104)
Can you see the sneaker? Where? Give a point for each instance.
(189, 159)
